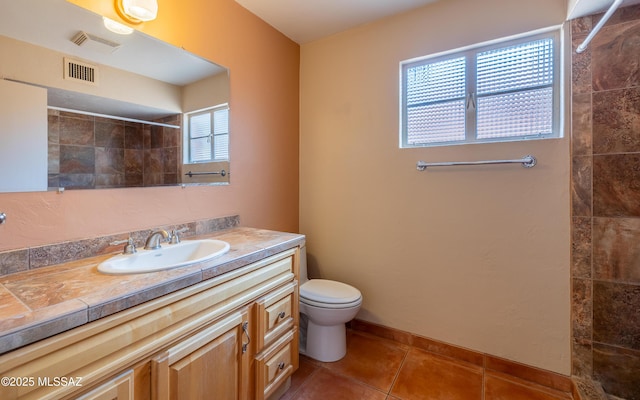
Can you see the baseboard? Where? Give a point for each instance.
(536, 375)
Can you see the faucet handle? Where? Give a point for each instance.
(129, 248)
(173, 237)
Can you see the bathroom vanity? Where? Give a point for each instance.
(223, 329)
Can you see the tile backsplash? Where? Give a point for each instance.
(35, 257)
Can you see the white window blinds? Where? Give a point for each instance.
(208, 135)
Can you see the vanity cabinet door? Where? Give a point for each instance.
(118, 388)
(211, 364)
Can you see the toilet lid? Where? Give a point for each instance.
(329, 292)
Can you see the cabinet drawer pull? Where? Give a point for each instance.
(245, 329)
(281, 365)
(282, 314)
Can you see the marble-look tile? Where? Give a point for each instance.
(580, 67)
(581, 142)
(144, 288)
(109, 160)
(622, 14)
(77, 130)
(133, 136)
(53, 158)
(615, 56)
(109, 133)
(10, 305)
(616, 253)
(110, 180)
(170, 160)
(618, 370)
(581, 358)
(616, 120)
(581, 25)
(77, 181)
(170, 179)
(70, 251)
(77, 160)
(581, 247)
(157, 137)
(14, 261)
(236, 257)
(217, 224)
(171, 137)
(134, 161)
(616, 314)
(30, 326)
(616, 192)
(581, 308)
(153, 161)
(581, 185)
(53, 127)
(268, 240)
(46, 300)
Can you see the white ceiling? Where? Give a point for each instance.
(304, 21)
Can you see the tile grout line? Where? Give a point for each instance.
(395, 378)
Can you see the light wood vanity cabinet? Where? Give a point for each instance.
(233, 337)
(211, 364)
(277, 340)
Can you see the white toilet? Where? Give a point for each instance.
(325, 307)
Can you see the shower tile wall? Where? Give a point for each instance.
(93, 152)
(605, 145)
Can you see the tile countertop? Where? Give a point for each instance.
(43, 302)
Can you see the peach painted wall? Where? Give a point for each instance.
(473, 256)
(264, 72)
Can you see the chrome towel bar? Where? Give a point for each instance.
(192, 174)
(528, 161)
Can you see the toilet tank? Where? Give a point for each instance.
(303, 264)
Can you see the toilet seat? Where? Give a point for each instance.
(329, 294)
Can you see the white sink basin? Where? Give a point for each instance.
(169, 256)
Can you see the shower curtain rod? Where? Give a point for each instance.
(599, 25)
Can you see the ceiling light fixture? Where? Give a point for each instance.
(137, 11)
(116, 27)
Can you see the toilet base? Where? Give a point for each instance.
(326, 343)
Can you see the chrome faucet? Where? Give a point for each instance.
(153, 241)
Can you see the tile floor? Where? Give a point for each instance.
(381, 369)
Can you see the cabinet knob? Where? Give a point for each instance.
(282, 314)
(281, 365)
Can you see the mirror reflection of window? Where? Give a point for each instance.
(208, 133)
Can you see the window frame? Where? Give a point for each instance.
(470, 54)
(187, 133)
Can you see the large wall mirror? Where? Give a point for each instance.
(83, 107)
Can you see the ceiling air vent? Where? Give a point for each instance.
(93, 42)
(80, 71)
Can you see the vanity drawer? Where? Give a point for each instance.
(277, 313)
(275, 365)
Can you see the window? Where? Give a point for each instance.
(208, 134)
(501, 92)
